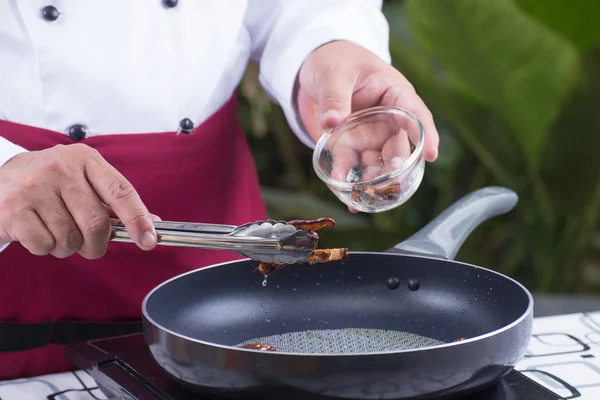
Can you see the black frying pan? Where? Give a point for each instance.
(375, 326)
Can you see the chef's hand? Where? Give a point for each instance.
(57, 201)
(339, 78)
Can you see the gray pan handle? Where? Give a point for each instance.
(444, 236)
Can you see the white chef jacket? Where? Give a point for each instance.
(141, 66)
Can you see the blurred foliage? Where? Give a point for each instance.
(513, 85)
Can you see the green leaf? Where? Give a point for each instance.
(576, 20)
(258, 106)
(497, 55)
(283, 204)
(477, 125)
(571, 165)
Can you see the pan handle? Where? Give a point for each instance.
(444, 236)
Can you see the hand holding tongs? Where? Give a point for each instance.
(266, 241)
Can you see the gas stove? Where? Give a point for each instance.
(123, 369)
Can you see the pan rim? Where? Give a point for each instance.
(465, 342)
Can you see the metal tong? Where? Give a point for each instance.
(266, 241)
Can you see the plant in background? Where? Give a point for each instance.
(513, 85)
(517, 82)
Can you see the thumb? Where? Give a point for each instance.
(335, 98)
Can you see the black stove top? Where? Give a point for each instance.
(123, 368)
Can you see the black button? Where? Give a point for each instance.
(50, 13)
(186, 125)
(77, 132)
(170, 3)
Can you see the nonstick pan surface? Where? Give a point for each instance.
(378, 325)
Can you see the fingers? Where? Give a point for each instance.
(335, 96)
(112, 214)
(155, 217)
(371, 163)
(341, 77)
(110, 211)
(406, 98)
(115, 191)
(32, 233)
(399, 145)
(396, 151)
(57, 219)
(344, 160)
(90, 215)
(388, 87)
(59, 201)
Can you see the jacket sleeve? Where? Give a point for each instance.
(285, 32)
(7, 151)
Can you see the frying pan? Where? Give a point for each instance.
(374, 326)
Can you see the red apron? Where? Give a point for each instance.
(207, 175)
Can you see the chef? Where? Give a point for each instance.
(127, 108)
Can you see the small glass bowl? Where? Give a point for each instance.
(373, 161)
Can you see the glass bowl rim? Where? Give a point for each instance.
(410, 162)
